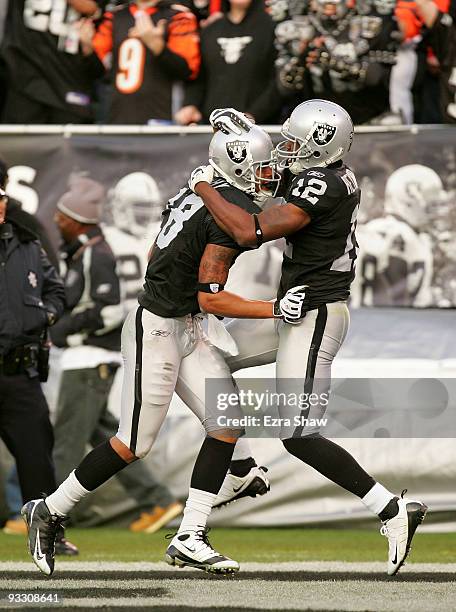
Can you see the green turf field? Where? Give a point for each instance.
(262, 545)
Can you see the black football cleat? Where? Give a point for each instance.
(43, 529)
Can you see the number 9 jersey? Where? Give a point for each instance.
(322, 255)
(142, 81)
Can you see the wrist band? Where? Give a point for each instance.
(258, 231)
(210, 287)
(276, 310)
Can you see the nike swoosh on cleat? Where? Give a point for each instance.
(190, 549)
(238, 489)
(394, 561)
(39, 555)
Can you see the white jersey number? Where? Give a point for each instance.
(346, 262)
(314, 189)
(180, 211)
(49, 15)
(132, 56)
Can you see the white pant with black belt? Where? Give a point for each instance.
(163, 355)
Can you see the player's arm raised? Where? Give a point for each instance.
(213, 299)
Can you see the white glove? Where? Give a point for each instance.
(199, 174)
(230, 121)
(294, 305)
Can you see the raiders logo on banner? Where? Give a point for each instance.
(323, 134)
(237, 151)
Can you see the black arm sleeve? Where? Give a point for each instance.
(174, 64)
(53, 291)
(195, 91)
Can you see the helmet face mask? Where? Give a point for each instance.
(246, 162)
(317, 133)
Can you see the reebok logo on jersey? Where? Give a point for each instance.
(160, 333)
(323, 134)
(237, 151)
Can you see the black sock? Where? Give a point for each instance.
(390, 510)
(331, 461)
(98, 466)
(241, 467)
(211, 465)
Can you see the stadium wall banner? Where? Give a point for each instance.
(406, 223)
(406, 230)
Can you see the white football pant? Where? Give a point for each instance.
(162, 355)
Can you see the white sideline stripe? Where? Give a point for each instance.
(289, 566)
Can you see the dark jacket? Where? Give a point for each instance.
(29, 285)
(94, 313)
(32, 223)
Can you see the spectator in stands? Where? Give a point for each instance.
(443, 38)
(404, 71)
(340, 52)
(89, 330)
(148, 45)
(50, 79)
(237, 69)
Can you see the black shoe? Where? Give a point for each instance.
(43, 528)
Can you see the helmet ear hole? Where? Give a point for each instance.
(238, 172)
(317, 154)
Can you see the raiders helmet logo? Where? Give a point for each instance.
(237, 151)
(323, 134)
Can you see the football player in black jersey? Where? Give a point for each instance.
(165, 349)
(318, 220)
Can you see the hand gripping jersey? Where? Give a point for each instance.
(187, 227)
(323, 254)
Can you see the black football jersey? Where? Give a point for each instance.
(322, 255)
(142, 82)
(42, 52)
(187, 227)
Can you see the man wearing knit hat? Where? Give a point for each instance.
(90, 333)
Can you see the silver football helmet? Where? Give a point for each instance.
(247, 162)
(412, 192)
(317, 133)
(136, 203)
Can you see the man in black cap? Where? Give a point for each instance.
(89, 331)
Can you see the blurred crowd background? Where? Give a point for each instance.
(164, 62)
